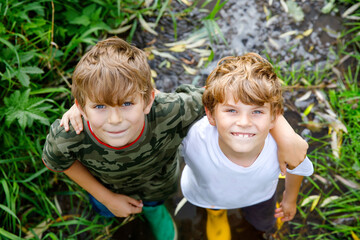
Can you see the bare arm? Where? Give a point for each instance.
(291, 147)
(120, 205)
(287, 208)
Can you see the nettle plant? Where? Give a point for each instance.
(40, 42)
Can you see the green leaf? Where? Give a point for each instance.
(27, 56)
(2, 28)
(218, 6)
(22, 119)
(161, 12)
(81, 20)
(34, 102)
(89, 10)
(328, 7)
(36, 114)
(50, 90)
(23, 78)
(8, 74)
(8, 210)
(6, 190)
(36, 7)
(10, 46)
(33, 176)
(9, 235)
(32, 70)
(25, 110)
(146, 26)
(308, 109)
(295, 11)
(70, 14)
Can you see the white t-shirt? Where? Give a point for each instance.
(211, 180)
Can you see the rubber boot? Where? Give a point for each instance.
(161, 222)
(217, 225)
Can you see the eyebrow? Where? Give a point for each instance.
(128, 99)
(234, 106)
(228, 105)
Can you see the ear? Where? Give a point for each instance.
(80, 109)
(151, 101)
(210, 117)
(273, 120)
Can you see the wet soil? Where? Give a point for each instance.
(309, 44)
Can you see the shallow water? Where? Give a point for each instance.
(246, 28)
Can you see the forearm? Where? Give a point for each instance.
(291, 147)
(120, 205)
(292, 187)
(287, 209)
(281, 130)
(79, 174)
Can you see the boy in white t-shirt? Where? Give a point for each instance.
(231, 159)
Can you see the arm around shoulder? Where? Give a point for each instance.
(191, 107)
(291, 147)
(74, 116)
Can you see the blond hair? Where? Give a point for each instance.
(112, 72)
(249, 78)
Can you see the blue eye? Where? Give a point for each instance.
(257, 112)
(99, 106)
(127, 104)
(231, 111)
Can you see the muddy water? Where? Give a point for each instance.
(309, 43)
(246, 28)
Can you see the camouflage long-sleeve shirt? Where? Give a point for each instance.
(146, 170)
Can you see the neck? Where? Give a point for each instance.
(244, 159)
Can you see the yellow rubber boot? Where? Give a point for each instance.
(217, 225)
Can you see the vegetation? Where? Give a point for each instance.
(330, 200)
(40, 42)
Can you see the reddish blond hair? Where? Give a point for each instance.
(249, 78)
(112, 72)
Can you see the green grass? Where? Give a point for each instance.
(339, 219)
(338, 182)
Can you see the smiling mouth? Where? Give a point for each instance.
(243, 135)
(116, 132)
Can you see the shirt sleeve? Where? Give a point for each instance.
(191, 107)
(57, 154)
(303, 169)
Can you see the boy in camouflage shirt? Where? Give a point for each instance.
(126, 157)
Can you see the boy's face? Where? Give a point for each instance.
(242, 128)
(119, 125)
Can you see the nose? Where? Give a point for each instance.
(243, 120)
(115, 116)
